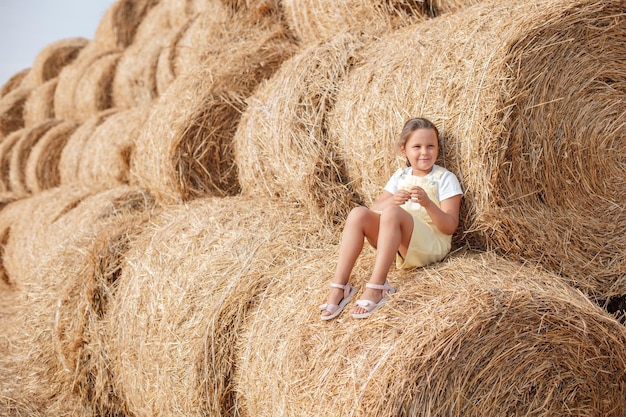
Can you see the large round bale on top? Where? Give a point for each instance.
(55, 345)
(190, 282)
(282, 147)
(473, 336)
(186, 149)
(529, 99)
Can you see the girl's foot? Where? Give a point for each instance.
(338, 298)
(374, 296)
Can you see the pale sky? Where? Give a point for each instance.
(27, 26)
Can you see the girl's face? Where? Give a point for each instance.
(421, 150)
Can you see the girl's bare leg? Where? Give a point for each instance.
(395, 230)
(361, 223)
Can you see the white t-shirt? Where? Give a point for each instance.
(447, 185)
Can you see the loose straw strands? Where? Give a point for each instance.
(291, 156)
(473, 336)
(316, 21)
(81, 256)
(39, 105)
(52, 59)
(472, 74)
(42, 166)
(191, 280)
(185, 151)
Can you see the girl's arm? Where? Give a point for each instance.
(446, 218)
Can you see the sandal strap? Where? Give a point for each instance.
(386, 288)
(346, 288)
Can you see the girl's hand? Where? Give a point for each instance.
(419, 195)
(401, 197)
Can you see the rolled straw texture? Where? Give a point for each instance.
(185, 150)
(12, 110)
(107, 153)
(51, 59)
(39, 105)
(290, 156)
(15, 81)
(73, 151)
(316, 21)
(188, 44)
(527, 97)
(6, 149)
(116, 30)
(475, 335)
(192, 278)
(91, 73)
(134, 82)
(20, 153)
(66, 298)
(42, 166)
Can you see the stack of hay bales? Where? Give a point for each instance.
(172, 194)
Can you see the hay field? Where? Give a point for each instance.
(172, 195)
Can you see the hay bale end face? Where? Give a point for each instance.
(119, 24)
(80, 256)
(488, 78)
(12, 110)
(39, 106)
(15, 81)
(21, 152)
(42, 166)
(51, 59)
(191, 280)
(186, 149)
(292, 156)
(472, 336)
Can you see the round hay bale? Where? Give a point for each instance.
(191, 279)
(107, 152)
(42, 166)
(6, 148)
(188, 44)
(316, 21)
(39, 105)
(472, 336)
(134, 82)
(290, 156)
(12, 110)
(66, 98)
(513, 106)
(94, 89)
(185, 150)
(51, 59)
(20, 153)
(72, 152)
(80, 260)
(116, 30)
(15, 81)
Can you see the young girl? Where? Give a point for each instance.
(412, 221)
